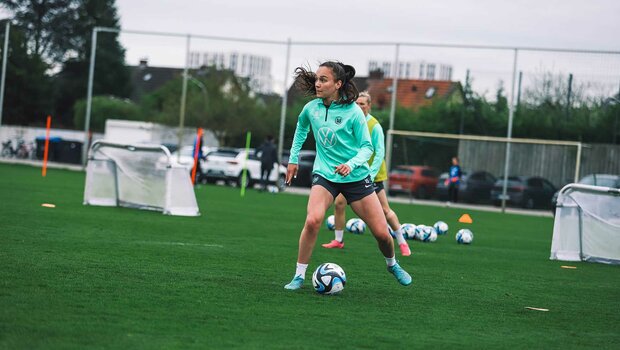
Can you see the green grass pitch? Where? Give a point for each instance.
(80, 277)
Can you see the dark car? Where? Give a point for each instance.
(524, 191)
(605, 180)
(474, 187)
(304, 171)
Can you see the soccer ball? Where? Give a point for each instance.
(441, 227)
(330, 222)
(408, 230)
(433, 236)
(419, 232)
(329, 278)
(425, 233)
(356, 226)
(464, 236)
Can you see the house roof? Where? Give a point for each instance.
(147, 79)
(412, 93)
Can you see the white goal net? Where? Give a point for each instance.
(138, 176)
(587, 225)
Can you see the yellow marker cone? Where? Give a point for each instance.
(465, 219)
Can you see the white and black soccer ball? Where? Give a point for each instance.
(419, 232)
(433, 235)
(425, 234)
(408, 230)
(464, 236)
(441, 227)
(329, 278)
(330, 223)
(356, 226)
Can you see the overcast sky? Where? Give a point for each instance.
(575, 24)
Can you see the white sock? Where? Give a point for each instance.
(399, 236)
(339, 235)
(301, 270)
(391, 261)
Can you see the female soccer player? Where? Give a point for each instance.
(341, 166)
(378, 174)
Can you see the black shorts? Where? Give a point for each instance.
(378, 186)
(352, 191)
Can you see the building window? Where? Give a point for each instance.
(430, 72)
(430, 92)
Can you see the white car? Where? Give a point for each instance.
(227, 164)
(186, 158)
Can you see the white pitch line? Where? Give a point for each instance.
(183, 244)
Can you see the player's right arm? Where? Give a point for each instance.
(301, 133)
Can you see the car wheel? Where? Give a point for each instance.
(421, 193)
(248, 180)
(528, 203)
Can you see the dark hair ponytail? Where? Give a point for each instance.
(305, 79)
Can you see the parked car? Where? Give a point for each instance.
(604, 180)
(186, 158)
(417, 180)
(227, 164)
(474, 187)
(304, 171)
(524, 191)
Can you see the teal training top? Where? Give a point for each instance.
(341, 135)
(378, 142)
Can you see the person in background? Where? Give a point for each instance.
(268, 157)
(378, 173)
(454, 178)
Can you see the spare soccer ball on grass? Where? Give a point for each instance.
(441, 227)
(331, 222)
(464, 236)
(408, 231)
(356, 226)
(329, 278)
(426, 234)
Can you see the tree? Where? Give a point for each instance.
(227, 106)
(111, 74)
(27, 98)
(46, 25)
(103, 108)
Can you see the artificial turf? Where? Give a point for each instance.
(78, 276)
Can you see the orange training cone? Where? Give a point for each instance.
(466, 219)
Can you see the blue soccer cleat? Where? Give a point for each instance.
(401, 275)
(297, 283)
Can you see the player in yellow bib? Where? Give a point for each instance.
(378, 172)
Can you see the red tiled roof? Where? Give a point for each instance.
(410, 93)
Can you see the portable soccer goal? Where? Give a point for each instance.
(138, 176)
(587, 224)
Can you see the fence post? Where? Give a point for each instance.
(284, 101)
(511, 110)
(5, 56)
(388, 146)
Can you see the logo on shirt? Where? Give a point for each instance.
(327, 137)
(338, 120)
(316, 114)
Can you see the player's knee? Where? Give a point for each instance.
(340, 205)
(313, 222)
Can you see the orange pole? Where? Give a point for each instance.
(47, 144)
(198, 145)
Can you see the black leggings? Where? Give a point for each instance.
(453, 192)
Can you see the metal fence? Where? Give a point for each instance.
(521, 74)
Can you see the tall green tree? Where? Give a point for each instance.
(111, 75)
(46, 25)
(27, 95)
